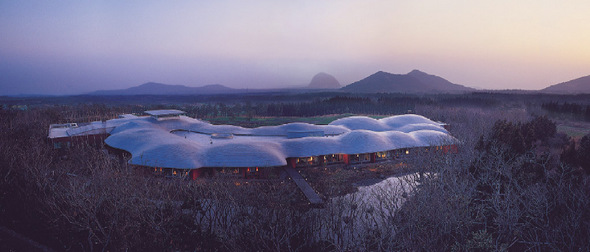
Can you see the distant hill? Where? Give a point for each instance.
(576, 86)
(412, 82)
(152, 88)
(324, 81)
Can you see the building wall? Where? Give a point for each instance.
(96, 139)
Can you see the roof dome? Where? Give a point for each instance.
(360, 122)
(364, 141)
(402, 120)
(245, 155)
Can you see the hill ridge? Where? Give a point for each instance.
(415, 81)
(155, 88)
(576, 86)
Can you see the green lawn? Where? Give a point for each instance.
(573, 129)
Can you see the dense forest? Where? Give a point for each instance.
(518, 183)
(574, 110)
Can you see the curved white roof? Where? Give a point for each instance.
(164, 112)
(398, 123)
(186, 143)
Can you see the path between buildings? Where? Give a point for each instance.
(307, 190)
(13, 241)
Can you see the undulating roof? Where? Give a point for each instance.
(164, 112)
(186, 143)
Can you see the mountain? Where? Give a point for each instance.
(324, 81)
(412, 82)
(152, 88)
(576, 86)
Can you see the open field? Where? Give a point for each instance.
(574, 129)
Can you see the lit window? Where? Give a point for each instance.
(407, 152)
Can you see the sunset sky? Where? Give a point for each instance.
(71, 47)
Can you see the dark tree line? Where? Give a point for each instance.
(318, 107)
(518, 137)
(578, 111)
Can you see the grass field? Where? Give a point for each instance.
(574, 129)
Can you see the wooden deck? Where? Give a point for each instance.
(311, 195)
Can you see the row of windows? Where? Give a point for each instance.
(354, 158)
(249, 172)
(171, 172)
(307, 162)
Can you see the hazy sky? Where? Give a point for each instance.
(67, 47)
